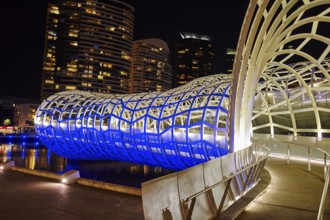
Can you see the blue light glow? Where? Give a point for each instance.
(176, 129)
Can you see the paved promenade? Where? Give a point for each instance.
(27, 197)
(293, 193)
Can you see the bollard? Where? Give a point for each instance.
(70, 176)
(7, 165)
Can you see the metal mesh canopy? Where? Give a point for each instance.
(294, 99)
(175, 129)
(282, 56)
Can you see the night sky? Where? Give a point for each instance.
(23, 28)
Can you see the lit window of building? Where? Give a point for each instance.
(229, 60)
(195, 57)
(78, 35)
(151, 70)
(54, 9)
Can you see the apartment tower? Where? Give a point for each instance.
(150, 70)
(87, 47)
(195, 57)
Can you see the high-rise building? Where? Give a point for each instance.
(195, 57)
(24, 114)
(229, 60)
(150, 70)
(88, 46)
(16, 113)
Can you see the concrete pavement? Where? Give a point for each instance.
(292, 193)
(24, 196)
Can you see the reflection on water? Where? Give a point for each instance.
(33, 155)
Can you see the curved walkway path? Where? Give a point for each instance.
(293, 193)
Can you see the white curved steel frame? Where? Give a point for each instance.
(276, 34)
(293, 100)
(175, 129)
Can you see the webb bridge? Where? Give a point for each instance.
(280, 86)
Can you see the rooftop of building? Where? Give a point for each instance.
(156, 42)
(190, 35)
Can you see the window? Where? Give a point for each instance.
(70, 87)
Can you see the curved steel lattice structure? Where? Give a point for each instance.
(274, 36)
(293, 100)
(281, 56)
(175, 129)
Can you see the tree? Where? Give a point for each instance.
(6, 121)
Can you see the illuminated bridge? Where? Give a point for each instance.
(175, 129)
(184, 126)
(280, 86)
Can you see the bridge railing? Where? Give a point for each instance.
(206, 190)
(326, 168)
(311, 154)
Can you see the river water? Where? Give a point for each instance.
(33, 155)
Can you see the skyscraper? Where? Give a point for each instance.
(150, 70)
(229, 60)
(195, 57)
(88, 46)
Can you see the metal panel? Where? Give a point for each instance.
(228, 165)
(190, 182)
(211, 172)
(161, 196)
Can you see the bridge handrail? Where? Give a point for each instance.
(259, 160)
(324, 194)
(207, 190)
(325, 153)
(326, 172)
(266, 154)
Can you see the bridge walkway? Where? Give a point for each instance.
(293, 193)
